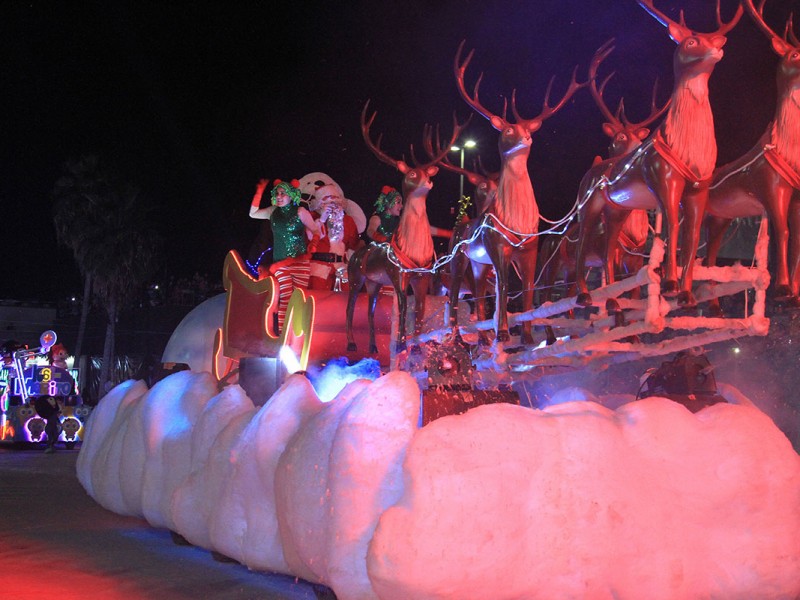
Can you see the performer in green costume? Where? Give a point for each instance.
(292, 228)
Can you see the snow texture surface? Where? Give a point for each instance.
(573, 501)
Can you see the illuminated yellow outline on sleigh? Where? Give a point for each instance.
(247, 329)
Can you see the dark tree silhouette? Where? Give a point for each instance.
(105, 225)
(81, 188)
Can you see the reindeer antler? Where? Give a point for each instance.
(493, 175)
(789, 29)
(376, 146)
(547, 110)
(724, 28)
(599, 56)
(459, 68)
(619, 120)
(659, 16)
(441, 152)
(655, 112)
(780, 44)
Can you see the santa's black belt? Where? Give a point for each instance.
(328, 257)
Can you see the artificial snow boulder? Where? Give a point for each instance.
(338, 475)
(245, 526)
(169, 413)
(97, 466)
(217, 429)
(579, 501)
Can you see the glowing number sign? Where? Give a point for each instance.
(48, 381)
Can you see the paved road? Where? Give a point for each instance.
(56, 542)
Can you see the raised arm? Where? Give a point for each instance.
(442, 233)
(255, 211)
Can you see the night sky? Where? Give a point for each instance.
(195, 102)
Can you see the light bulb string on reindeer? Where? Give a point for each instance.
(557, 227)
(505, 232)
(764, 150)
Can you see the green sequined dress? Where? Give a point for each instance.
(288, 232)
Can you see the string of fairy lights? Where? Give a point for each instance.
(490, 221)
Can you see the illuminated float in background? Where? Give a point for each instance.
(27, 376)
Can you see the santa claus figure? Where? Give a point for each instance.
(337, 240)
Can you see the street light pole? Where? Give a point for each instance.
(467, 144)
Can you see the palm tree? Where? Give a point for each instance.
(121, 255)
(76, 198)
(113, 244)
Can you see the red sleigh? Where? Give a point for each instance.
(314, 328)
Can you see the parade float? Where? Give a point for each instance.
(316, 449)
(27, 375)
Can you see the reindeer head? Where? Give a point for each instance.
(787, 47)
(625, 135)
(417, 180)
(697, 53)
(515, 138)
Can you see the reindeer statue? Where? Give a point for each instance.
(559, 253)
(767, 178)
(673, 168)
(478, 276)
(507, 233)
(410, 255)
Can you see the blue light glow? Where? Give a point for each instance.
(329, 380)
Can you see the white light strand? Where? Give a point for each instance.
(744, 166)
(557, 227)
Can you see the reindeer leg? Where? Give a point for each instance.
(715, 230)
(400, 282)
(470, 278)
(546, 267)
(356, 283)
(499, 253)
(668, 188)
(420, 284)
(588, 223)
(778, 212)
(616, 219)
(457, 267)
(480, 274)
(694, 207)
(373, 290)
(633, 264)
(794, 224)
(547, 276)
(527, 266)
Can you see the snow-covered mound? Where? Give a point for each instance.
(574, 501)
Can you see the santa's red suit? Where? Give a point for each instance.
(328, 255)
(337, 240)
